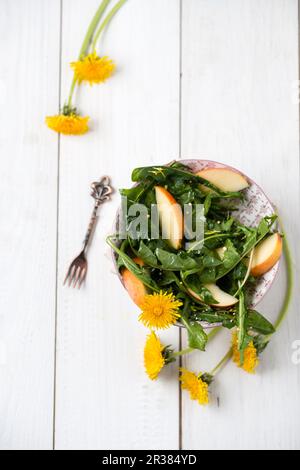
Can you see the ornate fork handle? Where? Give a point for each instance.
(101, 191)
(76, 274)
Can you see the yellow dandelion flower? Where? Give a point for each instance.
(154, 360)
(159, 310)
(251, 360)
(93, 69)
(197, 388)
(69, 124)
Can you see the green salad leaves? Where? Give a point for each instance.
(220, 258)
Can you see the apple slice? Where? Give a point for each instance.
(133, 285)
(224, 179)
(266, 255)
(221, 252)
(170, 216)
(224, 300)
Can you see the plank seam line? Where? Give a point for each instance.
(180, 156)
(57, 224)
(299, 83)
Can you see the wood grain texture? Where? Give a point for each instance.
(237, 104)
(104, 399)
(240, 65)
(29, 79)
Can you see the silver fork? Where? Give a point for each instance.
(101, 191)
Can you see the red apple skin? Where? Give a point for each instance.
(270, 261)
(176, 242)
(133, 285)
(167, 194)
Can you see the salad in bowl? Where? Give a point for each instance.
(197, 245)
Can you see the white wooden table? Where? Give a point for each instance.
(196, 78)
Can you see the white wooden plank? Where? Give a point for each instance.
(103, 398)
(29, 43)
(240, 66)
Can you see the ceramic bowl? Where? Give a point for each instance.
(251, 210)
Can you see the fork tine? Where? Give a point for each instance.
(72, 274)
(76, 272)
(77, 277)
(68, 273)
(83, 275)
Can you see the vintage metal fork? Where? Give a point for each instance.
(77, 271)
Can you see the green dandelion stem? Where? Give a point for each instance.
(103, 25)
(223, 362)
(183, 352)
(92, 27)
(86, 42)
(213, 333)
(73, 84)
(290, 284)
